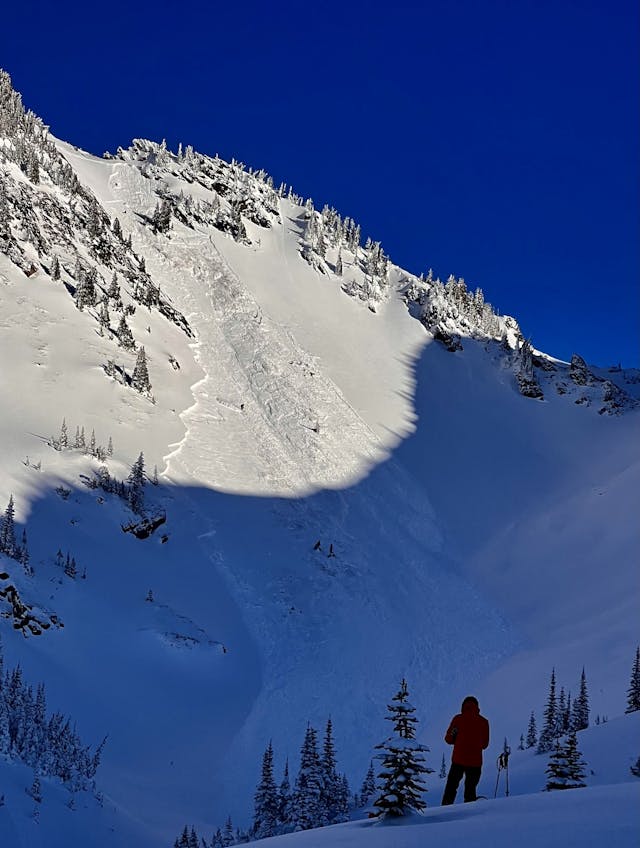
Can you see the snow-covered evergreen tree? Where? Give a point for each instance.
(566, 768)
(265, 817)
(580, 716)
(285, 800)
(140, 377)
(228, 836)
(136, 481)
(103, 316)
(23, 555)
(35, 790)
(633, 692)
(331, 783)
(8, 530)
(125, 336)
(308, 811)
(63, 438)
(368, 788)
(532, 731)
(161, 219)
(403, 761)
(550, 729)
(443, 769)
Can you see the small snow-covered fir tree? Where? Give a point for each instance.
(35, 790)
(63, 438)
(228, 837)
(125, 336)
(580, 712)
(140, 377)
(161, 219)
(23, 555)
(566, 768)
(403, 762)
(308, 811)
(633, 692)
(265, 818)
(331, 784)
(103, 315)
(368, 788)
(285, 800)
(8, 530)
(443, 769)
(136, 482)
(550, 728)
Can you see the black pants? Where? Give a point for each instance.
(471, 780)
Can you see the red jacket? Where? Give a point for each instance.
(469, 735)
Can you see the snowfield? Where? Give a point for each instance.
(480, 537)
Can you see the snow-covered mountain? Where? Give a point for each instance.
(473, 497)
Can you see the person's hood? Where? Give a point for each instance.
(470, 705)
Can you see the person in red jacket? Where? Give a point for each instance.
(469, 735)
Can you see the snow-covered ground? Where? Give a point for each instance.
(481, 538)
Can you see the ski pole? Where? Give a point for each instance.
(499, 764)
(503, 763)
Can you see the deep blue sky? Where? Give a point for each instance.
(494, 140)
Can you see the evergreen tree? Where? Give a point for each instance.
(55, 268)
(265, 817)
(116, 229)
(368, 788)
(561, 713)
(161, 219)
(285, 799)
(125, 336)
(5, 738)
(136, 482)
(8, 530)
(343, 800)
(85, 294)
(549, 731)
(35, 790)
(532, 732)
(103, 316)
(63, 439)
(228, 837)
(567, 724)
(633, 692)
(634, 769)
(140, 377)
(402, 761)
(339, 263)
(331, 783)
(309, 786)
(183, 840)
(521, 744)
(580, 718)
(23, 555)
(566, 768)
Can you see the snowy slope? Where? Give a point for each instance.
(473, 527)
